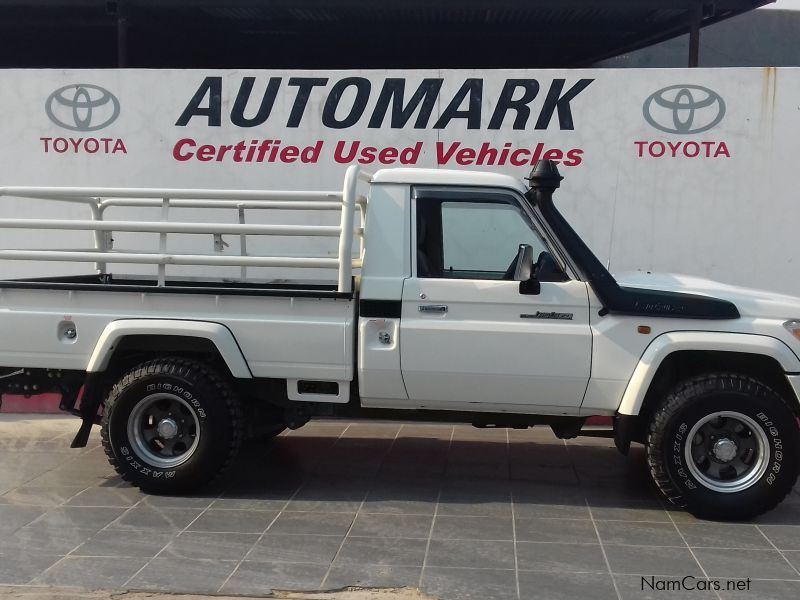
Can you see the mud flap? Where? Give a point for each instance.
(90, 405)
(624, 428)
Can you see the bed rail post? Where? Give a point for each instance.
(242, 241)
(162, 244)
(100, 237)
(345, 283)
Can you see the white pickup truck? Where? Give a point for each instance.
(459, 296)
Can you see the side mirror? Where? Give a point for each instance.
(524, 263)
(546, 268)
(523, 272)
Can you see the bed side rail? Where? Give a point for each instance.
(98, 200)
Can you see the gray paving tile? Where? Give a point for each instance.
(490, 470)
(91, 572)
(18, 568)
(556, 530)
(723, 535)
(113, 542)
(407, 465)
(563, 586)
(13, 516)
(539, 499)
(556, 557)
(761, 564)
(32, 462)
(110, 497)
(254, 502)
(40, 496)
(296, 548)
(218, 546)
(479, 554)
(73, 477)
(44, 539)
(467, 508)
(644, 560)
(74, 517)
(341, 576)
(160, 519)
(234, 521)
(329, 495)
(786, 513)
(639, 533)
(183, 574)
(556, 474)
(619, 492)
(312, 522)
(469, 584)
(650, 587)
(473, 528)
(785, 537)
(765, 590)
(382, 551)
(10, 481)
(793, 556)
(643, 512)
(387, 525)
(480, 498)
(419, 499)
(196, 501)
(259, 578)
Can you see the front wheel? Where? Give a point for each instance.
(171, 425)
(725, 446)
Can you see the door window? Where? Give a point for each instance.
(472, 239)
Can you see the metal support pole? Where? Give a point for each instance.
(695, 19)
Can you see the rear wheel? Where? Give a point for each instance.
(725, 446)
(171, 425)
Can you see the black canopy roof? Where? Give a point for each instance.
(341, 33)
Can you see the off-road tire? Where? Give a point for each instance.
(687, 404)
(216, 408)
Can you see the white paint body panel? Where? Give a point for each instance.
(481, 354)
(676, 341)
(624, 361)
(302, 338)
(218, 334)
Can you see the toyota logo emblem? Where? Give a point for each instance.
(82, 107)
(684, 109)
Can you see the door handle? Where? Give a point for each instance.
(433, 308)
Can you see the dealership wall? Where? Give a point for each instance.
(651, 186)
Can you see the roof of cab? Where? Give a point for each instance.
(448, 177)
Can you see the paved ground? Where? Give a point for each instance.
(457, 512)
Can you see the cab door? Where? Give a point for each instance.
(469, 340)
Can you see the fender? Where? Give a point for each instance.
(667, 343)
(218, 334)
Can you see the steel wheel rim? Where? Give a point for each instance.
(727, 451)
(151, 423)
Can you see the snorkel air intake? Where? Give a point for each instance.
(544, 181)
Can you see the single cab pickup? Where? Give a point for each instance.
(458, 296)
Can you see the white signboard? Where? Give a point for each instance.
(676, 170)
